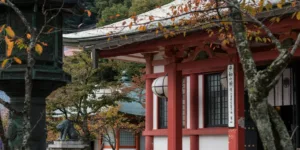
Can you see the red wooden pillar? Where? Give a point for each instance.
(137, 141)
(237, 135)
(118, 140)
(149, 104)
(174, 107)
(194, 139)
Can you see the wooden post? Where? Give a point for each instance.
(95, 57)
(236, 135)
(174, 107)
(149, 103)
(194, 139)
(137, 141)
(118, 140)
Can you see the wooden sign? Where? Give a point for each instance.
(231, 99)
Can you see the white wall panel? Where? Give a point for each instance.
(158, 69)
(213, 142)
(155, 111)
(201, 107)
(186, 143)
(188, 102)
(160, 143)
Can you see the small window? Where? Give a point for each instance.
(216, 101)
(127, 138)
(163, 113)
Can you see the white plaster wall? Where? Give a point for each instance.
(213, 142)
(155, 111)
(120, 149)
(201, 117)
(160, 143)
(188, 102)
(186, 143)
(158, 69)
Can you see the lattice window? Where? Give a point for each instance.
(163, 113)
(216, 101)
(127, 138)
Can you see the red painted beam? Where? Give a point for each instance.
(190, 132)
(174, 107)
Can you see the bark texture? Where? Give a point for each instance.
(271, 128)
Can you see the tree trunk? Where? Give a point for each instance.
(2, 134)
(271, 128)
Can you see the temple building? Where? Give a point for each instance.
(195, 95)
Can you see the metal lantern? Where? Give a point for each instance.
(160, 87)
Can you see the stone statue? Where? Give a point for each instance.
(66, 128)
(14, 132)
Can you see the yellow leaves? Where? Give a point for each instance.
(4, 63)
(17, 60)
(39, 49)
(279, 5)
(28, 36)
(9, 47)
(89, 13)
(294, 4)
(297, 14)
(184, 34)
(275, 19)
(269, 6)
(142, 28)
(156, 32)
(160, 26)
(1, 28)
(10, 32)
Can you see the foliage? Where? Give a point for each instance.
(109, 122)
(110, 11)
(79, 101)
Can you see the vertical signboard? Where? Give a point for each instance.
(231, 101)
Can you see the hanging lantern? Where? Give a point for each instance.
(160, 87)
(224, 81)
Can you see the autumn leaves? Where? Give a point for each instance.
(11, 40)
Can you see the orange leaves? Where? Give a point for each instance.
(89, 13)
(10, 46)
(151, 18)
(50, 30)
(10, 32)
(2, 1)
(39, 49)
(294, 4)
(130, 25)
(118, 15)
(17, 60)
(28, 36)
(142, 28)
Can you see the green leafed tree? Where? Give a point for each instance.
(79, 101)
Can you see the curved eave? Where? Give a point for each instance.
(102, 43)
